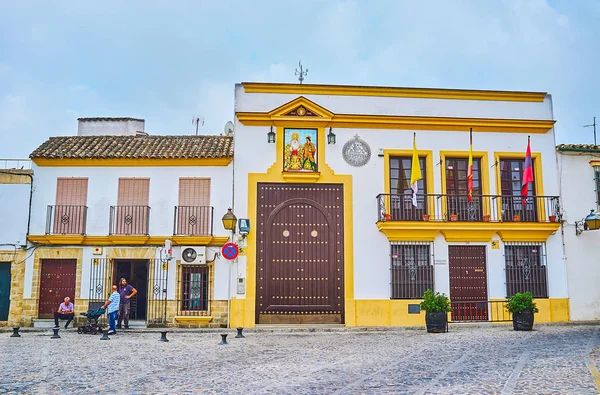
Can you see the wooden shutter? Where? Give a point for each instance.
(70, 210)
(133, 192)
(132, 216)
(194, 213)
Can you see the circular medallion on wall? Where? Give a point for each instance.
(356, 152)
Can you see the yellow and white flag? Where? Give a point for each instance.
(415, 172)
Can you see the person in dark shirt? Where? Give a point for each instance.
(127, 292)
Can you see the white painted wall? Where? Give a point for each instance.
(109, 128)
(14, 210)
(583, 260)
(371, 247)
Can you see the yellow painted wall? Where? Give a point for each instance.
(236, 311)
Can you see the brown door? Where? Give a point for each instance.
(468, 283)
(57, 281)
(300, 254)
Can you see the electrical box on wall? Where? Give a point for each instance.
(241, 285)
(97, 251)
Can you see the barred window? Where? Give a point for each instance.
(597, 177)
(194, 289)
(411, 271)
(525, 266)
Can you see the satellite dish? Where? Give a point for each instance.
(228, 130)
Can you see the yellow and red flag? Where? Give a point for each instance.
(470, 169)
(415, 171)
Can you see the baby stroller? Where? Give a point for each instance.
(92, 326)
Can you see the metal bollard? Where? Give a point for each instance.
(163, 336)
(105, 335)
(239, 334)
(56, 335)
(223, 340)
(15, 332)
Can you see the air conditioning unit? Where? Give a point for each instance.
(193, 255)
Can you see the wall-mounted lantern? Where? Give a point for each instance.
(229, 220)
(591, 222)
(330, 137)
(271, 136)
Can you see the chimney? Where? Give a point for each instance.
(110, 126)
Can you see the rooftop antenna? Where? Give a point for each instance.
(302, 73)
(197, 121)
(594, 125)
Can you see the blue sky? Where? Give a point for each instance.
(166, 60)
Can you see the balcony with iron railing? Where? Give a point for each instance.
(129, 220)
(457, 208)
(66, 220)
(193, 221)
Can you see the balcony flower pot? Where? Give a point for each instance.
(486, 218)
(436, 307)
(517, 217)
(453, 217)
(388, 217)
(553, 218)
(522, 308)
(425, 217)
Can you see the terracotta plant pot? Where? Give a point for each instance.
(425, 217)
(388, 217)
(516, 218)
(486, 218)
(553, 218)
(453, 217)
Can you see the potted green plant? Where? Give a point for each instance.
(517, 217)
(522, 307)
(437, 307)
(453, 217)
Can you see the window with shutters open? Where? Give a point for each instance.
(70, 210)
(194, 212)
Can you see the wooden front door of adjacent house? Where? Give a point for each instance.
(57, 281)
(4, 290)
(468, 283)
(300, 254)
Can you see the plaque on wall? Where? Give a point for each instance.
(356, 152)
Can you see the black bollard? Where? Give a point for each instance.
(239, 334)
(55, 336)
(163, 336)
(223, 340)
(105, 335)
(15, 332)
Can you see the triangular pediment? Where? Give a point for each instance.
(301, 108)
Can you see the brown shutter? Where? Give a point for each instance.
(132, 206)
(70, 210)
(194, 214)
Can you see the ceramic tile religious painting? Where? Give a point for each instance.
(300, 150)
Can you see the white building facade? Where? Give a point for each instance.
(579, 168)
(323, 175)
(107, 204)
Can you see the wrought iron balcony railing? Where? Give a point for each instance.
(129, 220)
(66, 220)
(483, 208)
(193, 220)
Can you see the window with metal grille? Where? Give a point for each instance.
(411, 271)
(597, 177)
(194, 289)
(401, 204)
(525, 267)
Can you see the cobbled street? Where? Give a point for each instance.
(467, 360)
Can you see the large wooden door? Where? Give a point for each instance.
(300, 254)
(4, 290)
(468, 283)
(57, 281)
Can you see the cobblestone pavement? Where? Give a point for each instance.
(488, 360)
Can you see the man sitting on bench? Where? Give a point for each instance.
(65, 312)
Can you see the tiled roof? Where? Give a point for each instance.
(578, 147)
(135, 147)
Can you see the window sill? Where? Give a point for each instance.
(193, 318)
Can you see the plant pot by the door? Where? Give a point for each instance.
(523, 321)
(436, 307)
(425, 217)
(522, 308)
(436, 322)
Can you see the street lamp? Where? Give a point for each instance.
(330, 137)
(271, 136)
(229, 220)
(591, 222)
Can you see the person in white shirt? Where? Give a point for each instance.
(113, 309)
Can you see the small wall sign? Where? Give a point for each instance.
(495, 245)
(440, 262)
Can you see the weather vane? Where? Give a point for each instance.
(302, 73)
